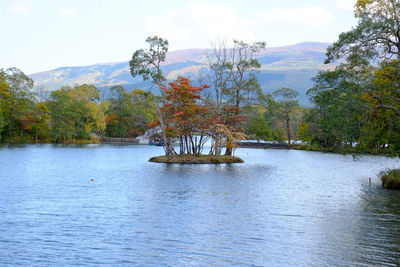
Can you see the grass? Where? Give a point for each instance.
(79, 142)
(199, 159)
(391, 179)
(339, 150)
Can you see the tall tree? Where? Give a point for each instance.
(338, 108)
(377, 33)
(375, 39)
(287, 103)
(147, 64)
(1, 124)
(383, 98)
(219, 64)
(4, 86)
(232, 73)
(62, 115)
(15, 99)
(40, 124)
(119, 114)
(242, 65)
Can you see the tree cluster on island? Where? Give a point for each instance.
(183, 114)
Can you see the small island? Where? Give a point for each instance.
(185, 121)
(189, 118)
(199, 159)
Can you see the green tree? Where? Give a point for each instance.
(303, 132)
(129, 114)
(147, 64)
(338, 108)
(40, 126)
(242, 64)
(376, 34)
(119, 113)
(1, 124)
(75, 113)
(371, 91)
(287, 104)
(258, 128)
(383, 115)
(15, 99)
(144, 109)
(62, 115)
(4, 86)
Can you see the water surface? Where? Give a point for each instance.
(280, 208)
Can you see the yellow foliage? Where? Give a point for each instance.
(231, 135)
(99, 120)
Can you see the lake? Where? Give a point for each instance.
(280, 208)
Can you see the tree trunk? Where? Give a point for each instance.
(288, 129)
(228, 152)
(10, 123)
(181, 146)
(167, 142)
(218, 144)
(237, 104)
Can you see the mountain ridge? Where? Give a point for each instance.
(290, 66)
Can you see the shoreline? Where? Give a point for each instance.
(253, 146)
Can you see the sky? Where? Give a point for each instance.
(40, 35)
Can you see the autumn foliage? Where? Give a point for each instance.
(193, 121)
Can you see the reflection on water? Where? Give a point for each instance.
(279, 208)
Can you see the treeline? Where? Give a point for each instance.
(276, 117)
(71, 114)
(357, 104)
(356, 109)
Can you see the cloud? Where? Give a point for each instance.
(21, 6)
(346, 5)
(312, 17)
(66, 11)
(198, 22)
(110, 3)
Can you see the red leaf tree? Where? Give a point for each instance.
(193, 122)
(186, 117)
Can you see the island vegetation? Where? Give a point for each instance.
(185, 116)
(197, 159)
(356, 101)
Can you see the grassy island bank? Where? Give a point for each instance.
(200, 159)
(391, 179)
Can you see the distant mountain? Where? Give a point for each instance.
(290, 66)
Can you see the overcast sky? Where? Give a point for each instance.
(39, 35)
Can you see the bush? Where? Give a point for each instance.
(391, 179)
